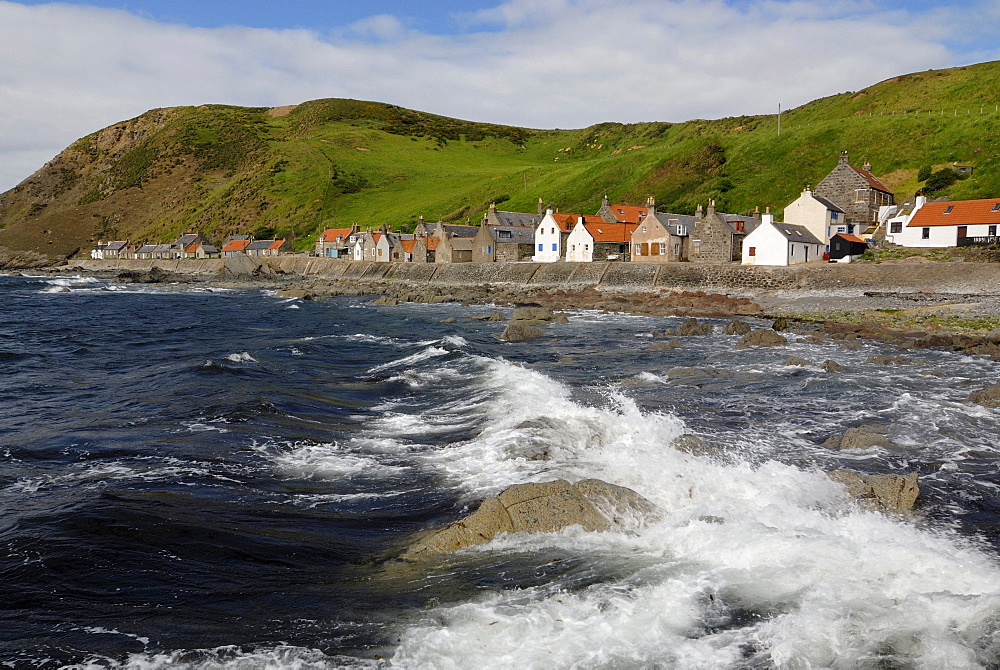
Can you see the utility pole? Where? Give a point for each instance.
(779, 119)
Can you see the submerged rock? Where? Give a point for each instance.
(692, 327)
(760, 337)
(541, 508)
(833, 366)
(880, 493)
(517, 332)
(861, 437)
(796, 361)
(737, 327)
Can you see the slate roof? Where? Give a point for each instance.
(518, 234)
(461, 243)
(461, 231)
(117, 245)
(826, 203)
(209, 249)
(796, 233)
(259, 245)
(962, 213)
(517, 219)
(668, 219)
(146, 249)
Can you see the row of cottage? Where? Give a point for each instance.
(828, 223)
(190, 245)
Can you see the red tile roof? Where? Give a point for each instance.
(331, 234)
(236, 245)
(276, 244)
(870, 178)
(408, 245)
(851, 238)
(629, 213)
(962, 213)
(611, 232)
(566, 220)
(431, 243)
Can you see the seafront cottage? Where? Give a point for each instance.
(599, 240)
(717, 237)
(553, 232)
(145, 252)
(111, 250)
(178, 247)
(955, 223)
(336, 242)
(424, 247)
(268, 248)
(201, 251)
(846, 248)
(237, 244)
(823, 218)
(452, 249)
(856, 191)
(505, 236)
(662, 238)
(773, 243)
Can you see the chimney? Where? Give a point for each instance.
(605, 202)
(579, 220)
(767, 217)
(867, 167)
(651, 203)
(493, 207)
(541, 207)
(698, 213)
(756, 212)
(711, 207)
(843, 158)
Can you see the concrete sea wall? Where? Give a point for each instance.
(928, 276)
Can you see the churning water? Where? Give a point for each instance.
(216, 479)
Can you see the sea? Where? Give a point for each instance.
(198, 478)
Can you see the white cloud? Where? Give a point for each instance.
(68, 70)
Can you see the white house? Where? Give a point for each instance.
(580, 244)
(820, 216)
(954, 223)
(773, 243)
(551, 235)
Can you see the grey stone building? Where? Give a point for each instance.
(717, 237)
(505, 236)
(856, 191)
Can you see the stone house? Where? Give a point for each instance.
(662, 237)
(201, 251)
(145, 251)
(178, 247)
(620, 213)
(774, 243)
(111, 250)
(424, 248)
(823, 218)
(237, 244)
(452, 249)
(599, 241)
(336, 242)
(268, 248)
(856, 191)
(717, 237)
(505, 236)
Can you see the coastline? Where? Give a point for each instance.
(909, 303)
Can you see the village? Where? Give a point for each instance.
(846, 213)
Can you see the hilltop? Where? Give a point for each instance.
(292, 171)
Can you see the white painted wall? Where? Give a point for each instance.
(548, 247)
(580, 244)
(768, 245)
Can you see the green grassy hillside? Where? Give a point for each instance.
(293, 171)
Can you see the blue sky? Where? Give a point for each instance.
(70, 68)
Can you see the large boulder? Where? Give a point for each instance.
(880, 493)
(517, 331)
(533, 313)
(549, 507)
(759, 337)
(987, 397)
(737, 327)
(861, 437)
(692, 327)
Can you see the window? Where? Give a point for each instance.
(947, 210)
(753, 251)
(739, 226)
(644, 229)
(489, 249)
(860, 195)
(555, 247)
(992, 231)
(841, 229)
(638, 249)
(925, 233)
(663, 248)
(833, 216)
(996, 207)
(504, 234)
(540, 246)
(895, 226)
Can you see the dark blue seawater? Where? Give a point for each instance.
(212, 479)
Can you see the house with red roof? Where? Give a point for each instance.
(600, 241)
(621, 213)
(856, 191)
(336, 242)
(236, 245)
(952, 223)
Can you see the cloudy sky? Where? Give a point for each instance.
(69, 68)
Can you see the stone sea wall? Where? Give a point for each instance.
(961, 277)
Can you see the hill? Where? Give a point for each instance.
(293, 171)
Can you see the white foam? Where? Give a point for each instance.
(413, 359)
(284, 657)
(241, 357)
